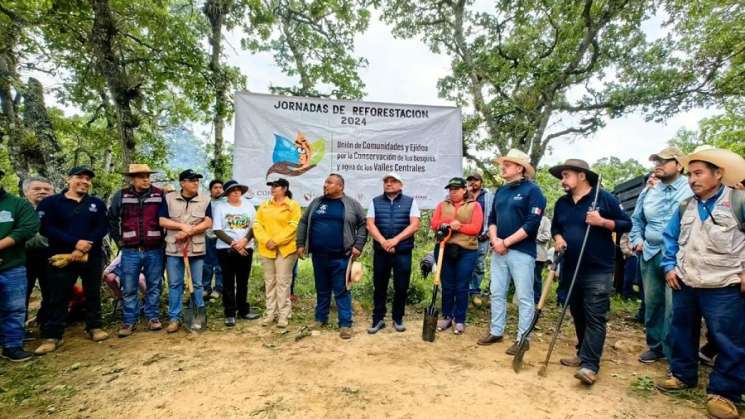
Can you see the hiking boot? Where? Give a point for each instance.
(399, 326)
(477, 301)
(173, 326)
(49, 345)
(571, 362)
(512, 350)
(125, 330)
(376, 327)
(249, 316)
(97, 335)
(154, 325)
(459, 328)
(586, 376)
(230, 321)
(649, 357)
(266, 321)
(489, 340)
(345, 332)
(721, 408)
(16, 354)
(282, 323)
(671, 383)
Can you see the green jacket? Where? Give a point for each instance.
(19, 221)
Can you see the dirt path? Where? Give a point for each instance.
(258, 372)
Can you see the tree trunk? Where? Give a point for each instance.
(216, 10)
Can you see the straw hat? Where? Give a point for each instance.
(731, 163)
(354, 273)
(136, 168)
(518, 157)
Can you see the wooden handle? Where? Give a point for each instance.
(439, 257)
(187, 267)
(546, 288)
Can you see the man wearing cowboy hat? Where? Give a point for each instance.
(704, 261)
(134, 225)
(590, 299)
(186, 218)
(653, 210)
(392, 221)
(485, 198)
(513, 225)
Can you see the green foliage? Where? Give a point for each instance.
(615, 171)
(643, 386)
(726, 130)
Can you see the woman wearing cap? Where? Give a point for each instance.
(465, 218)
(233, 219)
(275, 230)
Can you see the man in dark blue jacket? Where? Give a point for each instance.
(392, 221)
(590, 299)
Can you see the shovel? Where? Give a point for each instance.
(195, 319)
(431, 313)
(522, 347)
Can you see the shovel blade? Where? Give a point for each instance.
(429, 328)
(517, 361)
(191, 317)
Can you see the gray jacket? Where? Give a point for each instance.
(355, 230)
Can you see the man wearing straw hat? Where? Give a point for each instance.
(513, 225)
(134, 225)
(704, 261)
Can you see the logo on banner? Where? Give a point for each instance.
(293, 158)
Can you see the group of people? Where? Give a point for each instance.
(689, 233)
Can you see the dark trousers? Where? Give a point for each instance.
(61, 282)
(723, 309)
(590, 304)
(235, 272)
(383, 263)
(36, 269)
(538, 280)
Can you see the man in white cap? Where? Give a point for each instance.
(392, 221)
(513, 225)
(704, 261)
(654, 208)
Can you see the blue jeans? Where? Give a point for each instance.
(212, 268)
(589, 305)
(474, 285)
(12, 306)
(658, 303)
(724, 311)
(329, 275)
(457, 271)
(521, 268)
(149, 262)
(175, 267)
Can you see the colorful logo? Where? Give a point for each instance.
(293, 158)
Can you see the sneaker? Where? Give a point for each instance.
(125, 330)
(249, 316)
(571, 362)
(721, 408)
(586, 376)
(671, 383)
(16, 354)
(266, 320)
(154, 324)
(282, 323)
(443, 324)
(49, 345)
(345, 332)
(477, 301)
(650, 357)
(376, 327)
(489, 340)
(399, 326)
(459, 328)
(97, 335)
(230, 321)
(173, 326)
(512, 350)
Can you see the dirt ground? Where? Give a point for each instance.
(250, 371)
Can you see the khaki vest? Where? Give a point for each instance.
(464, 214)
(193, 214)
(710, 255)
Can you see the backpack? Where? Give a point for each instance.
(736, 197)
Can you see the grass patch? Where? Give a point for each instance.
(643, 386)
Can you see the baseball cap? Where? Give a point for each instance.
(279, 182)
(81, 170)
(476, 176)
(456, 182)
(189, 174)
(668, 153)
(393, 175)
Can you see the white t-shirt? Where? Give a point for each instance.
(413, 212)
(234, 221)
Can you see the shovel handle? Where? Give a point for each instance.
(440, 257)
(187, 267)
(546, 289)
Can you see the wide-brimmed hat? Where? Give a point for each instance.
(669, 153)
(137, 168)
(232, 184)
(731, 163)
(354, 273)
(518, 157)
(578, 166)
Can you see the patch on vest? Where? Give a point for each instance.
(6, 217)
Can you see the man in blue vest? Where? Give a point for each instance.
(133, 224)
(392, 220)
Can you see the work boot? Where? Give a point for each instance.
(586, 376)
(173, 326)
(345, 332)
(16, 354)
(512, 350)
(399, 326)
(649, 357)
(266, 320)
(376, 327)
(671, 383)
(97, 335)
(489, 340)
(125, 330)
(49, 345)
(571, 362)
(154, 325)
(282, 323)
(721, 408)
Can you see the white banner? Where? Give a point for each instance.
(305, 139)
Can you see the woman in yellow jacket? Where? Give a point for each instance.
(274, 230)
